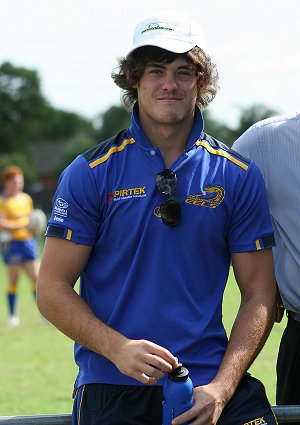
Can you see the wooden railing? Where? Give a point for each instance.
(284, 414)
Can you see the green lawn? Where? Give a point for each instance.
(37, 369)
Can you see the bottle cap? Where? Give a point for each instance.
(179, 374)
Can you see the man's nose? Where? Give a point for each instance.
(170, 82)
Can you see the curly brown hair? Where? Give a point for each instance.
(130, 70)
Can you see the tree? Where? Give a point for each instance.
(217, 129)
(22, 107)
(26, 116)
(251, 115)
(77, 145)
(115, 119)
(64, 125)
(24, 162)
(248, 116)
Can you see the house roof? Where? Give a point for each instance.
(47, 156)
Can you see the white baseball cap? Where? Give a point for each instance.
(170, 30)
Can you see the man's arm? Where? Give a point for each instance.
(255, 277)
(62, 263)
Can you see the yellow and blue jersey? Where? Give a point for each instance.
(19, 245)
(144, 278)
(17, 210)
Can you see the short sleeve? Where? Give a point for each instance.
(76, 207)
(251, 226)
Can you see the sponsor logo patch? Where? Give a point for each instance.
(59, 219)
(158, 26)
(60, 207)
(123, 194)
(257, 421)
(61, 203)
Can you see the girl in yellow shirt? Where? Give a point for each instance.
(19, 248)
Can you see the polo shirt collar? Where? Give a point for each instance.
(140, 137)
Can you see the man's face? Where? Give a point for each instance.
(167, 92)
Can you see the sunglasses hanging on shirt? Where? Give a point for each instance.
(170, 211)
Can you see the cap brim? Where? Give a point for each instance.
(175, 46)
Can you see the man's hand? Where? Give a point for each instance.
(208, 406)
(143, 360)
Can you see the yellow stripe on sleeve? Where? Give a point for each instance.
(111, 151)
(69, 234)
(222, 153)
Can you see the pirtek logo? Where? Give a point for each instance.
(257, 421)
(132, 192)
(129, 192)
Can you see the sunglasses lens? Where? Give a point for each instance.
(170, 212)
(166, 183)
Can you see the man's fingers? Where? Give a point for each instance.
(145, 361)
(144, 378)
(152, 371)
(160, 363)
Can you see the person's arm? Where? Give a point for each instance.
(254, 274)
(11, 225)
(61, 265)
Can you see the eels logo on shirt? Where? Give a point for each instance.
(212, 197)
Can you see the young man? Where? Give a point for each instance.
(274, 145)
(18, 245)
(150, 220)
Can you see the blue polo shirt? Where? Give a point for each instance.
(144, 278)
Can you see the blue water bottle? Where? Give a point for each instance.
(178, 394)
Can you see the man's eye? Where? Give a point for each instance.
(186, 73)
(155, 71)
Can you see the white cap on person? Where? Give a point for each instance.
(170, 30)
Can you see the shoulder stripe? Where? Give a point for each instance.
(220, 152)
(111, 151)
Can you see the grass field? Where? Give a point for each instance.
(37, 369)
